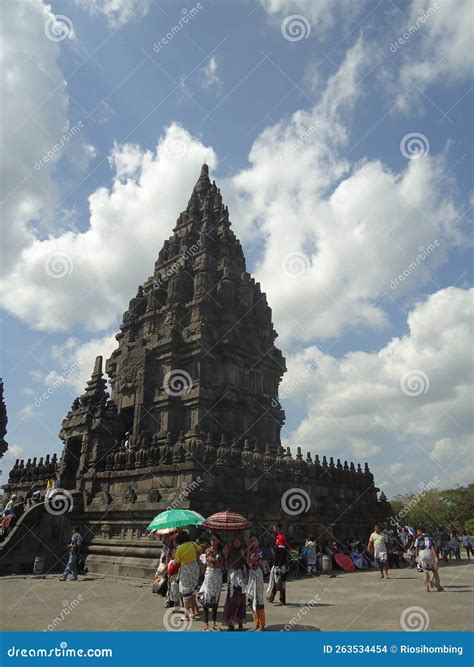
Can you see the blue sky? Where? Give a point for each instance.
(304, 111)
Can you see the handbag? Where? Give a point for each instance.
(160, 585)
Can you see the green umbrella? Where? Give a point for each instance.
(175, 519)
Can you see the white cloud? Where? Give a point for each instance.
(356, 405)
(87, 278)
(350, 237)
(210, 74)
(431, 44)
(76, 360)
(117, 12)
(321, 15)
(332, 247)
(32, 122)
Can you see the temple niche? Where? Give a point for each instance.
(191, 416)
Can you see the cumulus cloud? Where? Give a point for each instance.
(431, 44)
(406, 406)
(337, 234)
(87, 278)
(32, 121)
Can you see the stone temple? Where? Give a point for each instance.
(193, 419)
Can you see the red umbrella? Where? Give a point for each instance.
(226, 521)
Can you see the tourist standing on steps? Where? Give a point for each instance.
(235, 602)
(74, 547)
(210, 591)
(378, 546)
(279, 571)
(255, 583)
(426, 558)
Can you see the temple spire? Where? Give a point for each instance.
(95, 392)
(203, 184)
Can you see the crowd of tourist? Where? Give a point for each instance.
(191, 573)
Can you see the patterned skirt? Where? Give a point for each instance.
(210, 591)
(188, 579)
(235, 602)
(255, 589)
(425, 560)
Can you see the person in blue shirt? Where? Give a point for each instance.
(74, 548)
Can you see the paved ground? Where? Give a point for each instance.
(359, 601)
